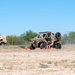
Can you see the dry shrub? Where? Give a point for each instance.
(42, 65)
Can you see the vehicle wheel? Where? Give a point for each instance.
(42, 46)
(58, 35)
(57, 46)
(2, 43)
(32, 47)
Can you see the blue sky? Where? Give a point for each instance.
(18, 16)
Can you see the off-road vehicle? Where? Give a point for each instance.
(3, 40)
(47, 39)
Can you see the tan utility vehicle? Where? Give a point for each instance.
(47, 39)
(3, 40)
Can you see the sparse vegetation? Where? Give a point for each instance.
(63, 60)
(22, 46)
(68, 38)
(56, 63)
(22, 39)
(42, 65)
(73, 61)
(49, 62)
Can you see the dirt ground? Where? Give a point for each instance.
(17, 61)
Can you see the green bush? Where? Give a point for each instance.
(22, 39)
(22, 46)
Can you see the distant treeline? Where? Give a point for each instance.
(22, 39)
(68, 38)
(25, 38)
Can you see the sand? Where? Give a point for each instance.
(17, 61)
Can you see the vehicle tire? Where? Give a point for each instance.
(57, 45)
(42, 46)
(2, 43)
(58, 35)
(32, 47)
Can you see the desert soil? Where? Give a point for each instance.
(17, 61)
